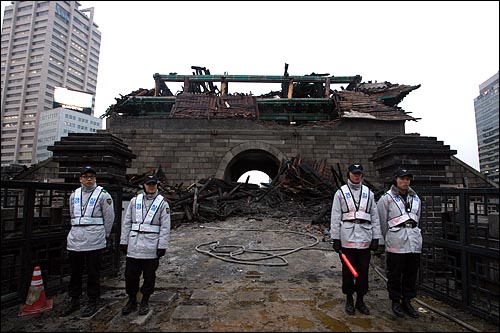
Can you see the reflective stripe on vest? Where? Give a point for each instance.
(405, 216)
(356, 213)
(146, 227)
(86, 218)
(139, 224)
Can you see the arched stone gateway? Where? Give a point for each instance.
(188, 150)
(248, 156)
(206, 131)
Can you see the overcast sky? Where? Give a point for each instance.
(450, 48)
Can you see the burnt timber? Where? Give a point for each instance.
(302, 99)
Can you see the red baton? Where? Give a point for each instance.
(349, 265)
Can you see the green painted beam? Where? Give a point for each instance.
(294, 100)
(148, 100)
(171, 99)
(255, 78)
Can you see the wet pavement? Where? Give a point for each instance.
(253, 275)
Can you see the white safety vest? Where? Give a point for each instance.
(356, 212)
(146, 226)
(85, 218)
(406, 214)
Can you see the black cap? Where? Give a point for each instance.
(150, 179)
(401, 172)
(355, 168)
(88, 169)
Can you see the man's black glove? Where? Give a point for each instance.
(160, 252)
(123, 248)
(374, 245)
(336, 245)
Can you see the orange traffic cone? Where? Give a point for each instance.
(36, 302)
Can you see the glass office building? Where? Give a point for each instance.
(45, 44)
(486, 109)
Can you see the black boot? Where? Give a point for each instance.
(91, 308)
(361, 306)
(71, 307)
(130, 306)
(144, 306)
(408, 309)
(397, 309)
(349, 305)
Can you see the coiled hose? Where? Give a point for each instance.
(217, 251)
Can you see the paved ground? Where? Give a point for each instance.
(295, 288)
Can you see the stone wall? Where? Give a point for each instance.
(191, 149)
(460, 172)
(429, 160)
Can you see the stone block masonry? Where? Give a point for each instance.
(192, 149)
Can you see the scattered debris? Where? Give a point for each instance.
(300, 189)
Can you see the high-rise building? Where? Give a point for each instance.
(486, 108)
(45, 44)
(59, 122)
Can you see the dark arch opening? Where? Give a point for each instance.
(249, 160)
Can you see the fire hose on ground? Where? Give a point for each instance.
(229, 253)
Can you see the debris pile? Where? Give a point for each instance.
(302, 100)
(301, 189)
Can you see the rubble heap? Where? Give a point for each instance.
(301, 189)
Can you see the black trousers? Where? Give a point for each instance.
(402, 271)
(77, 261)
(360, 260)
(133, 270)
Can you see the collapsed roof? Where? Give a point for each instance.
(302, 99)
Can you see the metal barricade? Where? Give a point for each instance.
(35, 221)
(460, 257)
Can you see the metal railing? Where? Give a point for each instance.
(35, 221)
(460, 257)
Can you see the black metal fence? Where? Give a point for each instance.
(35, 221)
(460, 257)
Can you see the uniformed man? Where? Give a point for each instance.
(92, 217)
(355, 230)
(144, 238)
(399, 211)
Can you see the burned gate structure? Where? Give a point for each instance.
(205, 131)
